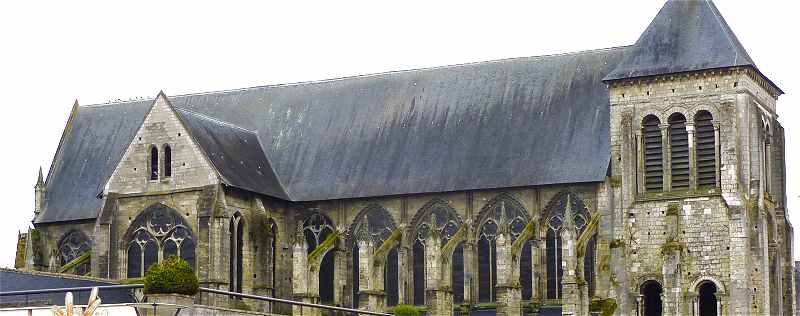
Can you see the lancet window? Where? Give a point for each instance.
(376, 225)
(435, 217)
(554, 224)
(504, 213)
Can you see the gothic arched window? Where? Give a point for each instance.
(374, 224)
(153, 162)
(167, 161)
(653, 154)
(705, 153)
(446, 223)
(155, 234)
(317, 228)
(679, 151)
(236, 252)
(72, 246)
(502, 213)
(554, 223)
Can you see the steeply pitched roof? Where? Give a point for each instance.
(516, 122)
(686, 35)
(506, 123)
(235, 153)
(93, 143)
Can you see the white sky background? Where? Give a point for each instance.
(52, 53)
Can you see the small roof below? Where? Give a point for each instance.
(235, 152)
(686, 35)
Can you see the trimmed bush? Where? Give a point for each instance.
(405, 310)
(172, 276)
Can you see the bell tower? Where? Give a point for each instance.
(692, 126)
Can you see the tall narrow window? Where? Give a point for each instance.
(391, 278)
(153, 163)
(679, 151)
(457, 274)
(705, 154)
(419, 273)
(487, 263)
(526, 271)
(167, 161)
(653, 160)
(316, 229)
(236, 240)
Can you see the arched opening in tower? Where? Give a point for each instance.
(651, 292)
(707, 299)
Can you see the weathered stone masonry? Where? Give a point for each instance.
(647, 179)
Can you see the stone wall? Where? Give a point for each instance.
(725, 233)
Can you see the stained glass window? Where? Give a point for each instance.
(158, 230)
(72, 246)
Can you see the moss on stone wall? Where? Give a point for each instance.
(673, 209)
(616, 243)
(38, 247)
(671, 245)
(323, 248)
(388, 244)
(75, 262)
(19, 259)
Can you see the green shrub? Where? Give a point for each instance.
(405, 310)
(172, 276)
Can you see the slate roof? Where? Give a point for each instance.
(17, 280)
(686, 35)
(515, 122)
(92, 144)
(506, 123)
(235, 153)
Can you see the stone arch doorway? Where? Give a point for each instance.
(707, 299)
(651, 304)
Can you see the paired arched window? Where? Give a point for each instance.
(73, 246)
(316, 228)
(441, 218)
(375, 225)
(167, 161)
(653, 161)
(236, 228)
(157, 233)
(554, 225)
(501, 214)
(681, 155)
(155, 162)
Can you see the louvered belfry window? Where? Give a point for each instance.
(653, 163)
(679, 151)
(706, 154)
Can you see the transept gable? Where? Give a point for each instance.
(162, 156)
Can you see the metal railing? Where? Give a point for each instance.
(202, 289)
(73, 289)
(279, 300)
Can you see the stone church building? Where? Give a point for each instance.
(651, 176)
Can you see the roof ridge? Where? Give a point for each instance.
(368, 75)
(214, 120)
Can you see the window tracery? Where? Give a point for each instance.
(156, 234)
(499, 213)
(437, 217)
(376, 225)
(72, 246)
(554, 224)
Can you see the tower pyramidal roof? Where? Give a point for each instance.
(686, 35)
